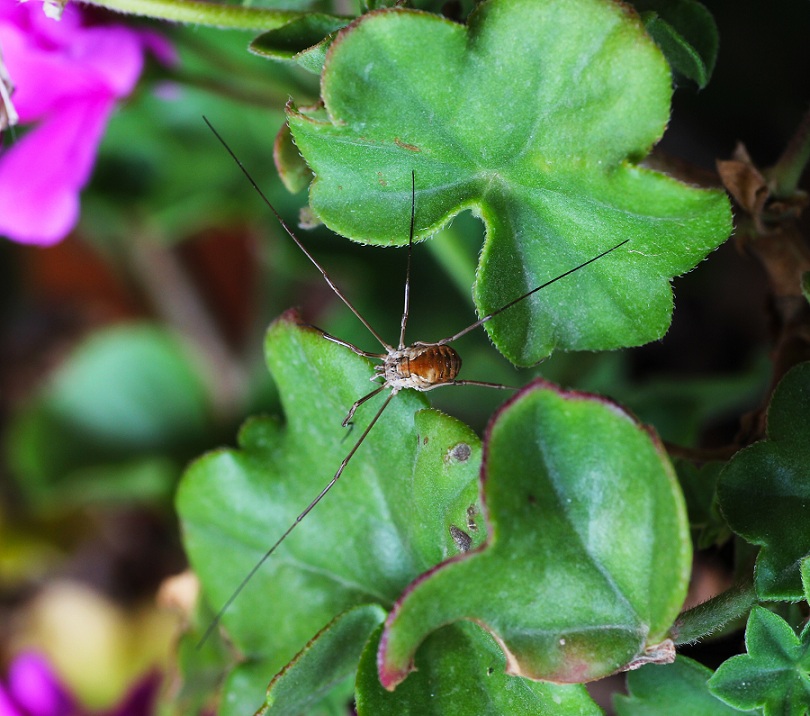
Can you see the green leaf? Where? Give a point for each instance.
(588, 555)
(115, 421)
(461, 671)
(681, 408)
(199, 668)
(304, 41)
(699, 488)
(329, 658)
(774, 672)
(671, 690)
(764, 491)
(687, 35)
(292, 169)
(805, 572)
(386, 520)
(532, 117)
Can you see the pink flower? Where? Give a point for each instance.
(68, 76)
(32, 688)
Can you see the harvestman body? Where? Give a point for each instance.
(419, 366)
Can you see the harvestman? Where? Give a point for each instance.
(419, 366)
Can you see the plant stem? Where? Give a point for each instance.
(204, 13)
(238, 92)
(449, 251)
(785, 174)
(166, 283)
(706, 618)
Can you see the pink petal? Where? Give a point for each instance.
(7, 705)
(34, 686)
(41, 175)
(100, 60)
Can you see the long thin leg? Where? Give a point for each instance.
(407, 308)
(492, 315)
(353, 348)
(215, 622)
(298, 243)
(358, 403)
(479, 383)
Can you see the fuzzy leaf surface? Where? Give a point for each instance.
(686, 33)
(533, 117)
(328, 659)
(773, 674)
(461, 672)
(303, 41)
(384, 522)
(764, 491)
(588, 555)
(671, 690)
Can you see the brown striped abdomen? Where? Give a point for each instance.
(422, 367)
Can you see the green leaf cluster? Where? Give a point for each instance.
(775, 673)
(546, 482)
(444, 573)
(575, 553)
(764, 491)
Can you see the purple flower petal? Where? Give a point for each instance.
(7, 705)
(67, 77)
(140, 701)
(98, 60)
(34, 686)
(41, 175)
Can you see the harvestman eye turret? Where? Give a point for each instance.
(419, 366)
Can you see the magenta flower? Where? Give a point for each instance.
(68, 76)
(33, 689)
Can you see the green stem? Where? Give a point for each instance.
(712, 615)
(786, 173)
(449, 250)
(238, 92)
(204, 13)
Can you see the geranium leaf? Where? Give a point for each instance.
(386, 520)
(304, 40)
(588, 554)
(805, 572)
(328, 659)
(699, 486)
(532, 116)
(461, 672)
(292, 169)
(686, 33)
(774, 672)
(764, 491)
(672, 690)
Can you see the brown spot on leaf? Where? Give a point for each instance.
(405, 145)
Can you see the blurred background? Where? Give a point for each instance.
(135, 344)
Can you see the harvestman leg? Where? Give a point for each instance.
(360, 352)
(215, 622)
(353, 348)
(384, 356)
